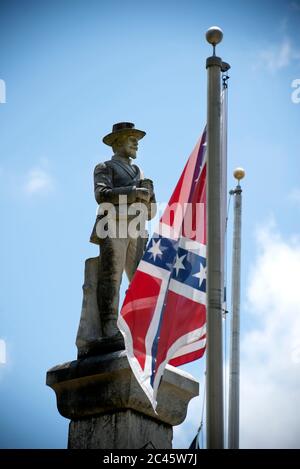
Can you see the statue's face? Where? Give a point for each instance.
(128, 146)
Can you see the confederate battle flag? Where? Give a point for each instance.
(164, 312)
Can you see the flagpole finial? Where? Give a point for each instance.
(214, 36)
(239, 173)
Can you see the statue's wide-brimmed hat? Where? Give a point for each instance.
(122, 128)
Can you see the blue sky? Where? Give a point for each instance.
(72, 69)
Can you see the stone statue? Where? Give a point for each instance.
(118, 183)
(98, 392)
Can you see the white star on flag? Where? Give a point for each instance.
(155, 249)
(179, 263)
(201, 275)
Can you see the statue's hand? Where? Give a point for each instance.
(147, 184)
(143, 194)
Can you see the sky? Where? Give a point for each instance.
(68, 71)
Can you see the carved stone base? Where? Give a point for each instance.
(108, 408)
(125, 429)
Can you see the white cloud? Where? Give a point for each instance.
(276, 57)
(270, 366)
(38, 181)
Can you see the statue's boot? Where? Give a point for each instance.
(110, 329)
(111, 341)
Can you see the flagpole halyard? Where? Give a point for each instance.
(215, 264)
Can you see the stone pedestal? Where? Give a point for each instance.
(109, 410)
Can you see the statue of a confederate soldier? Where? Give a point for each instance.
(124, 197)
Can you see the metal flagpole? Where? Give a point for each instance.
(215, 262)
(234, 365)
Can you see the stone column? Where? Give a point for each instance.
(109, 410)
